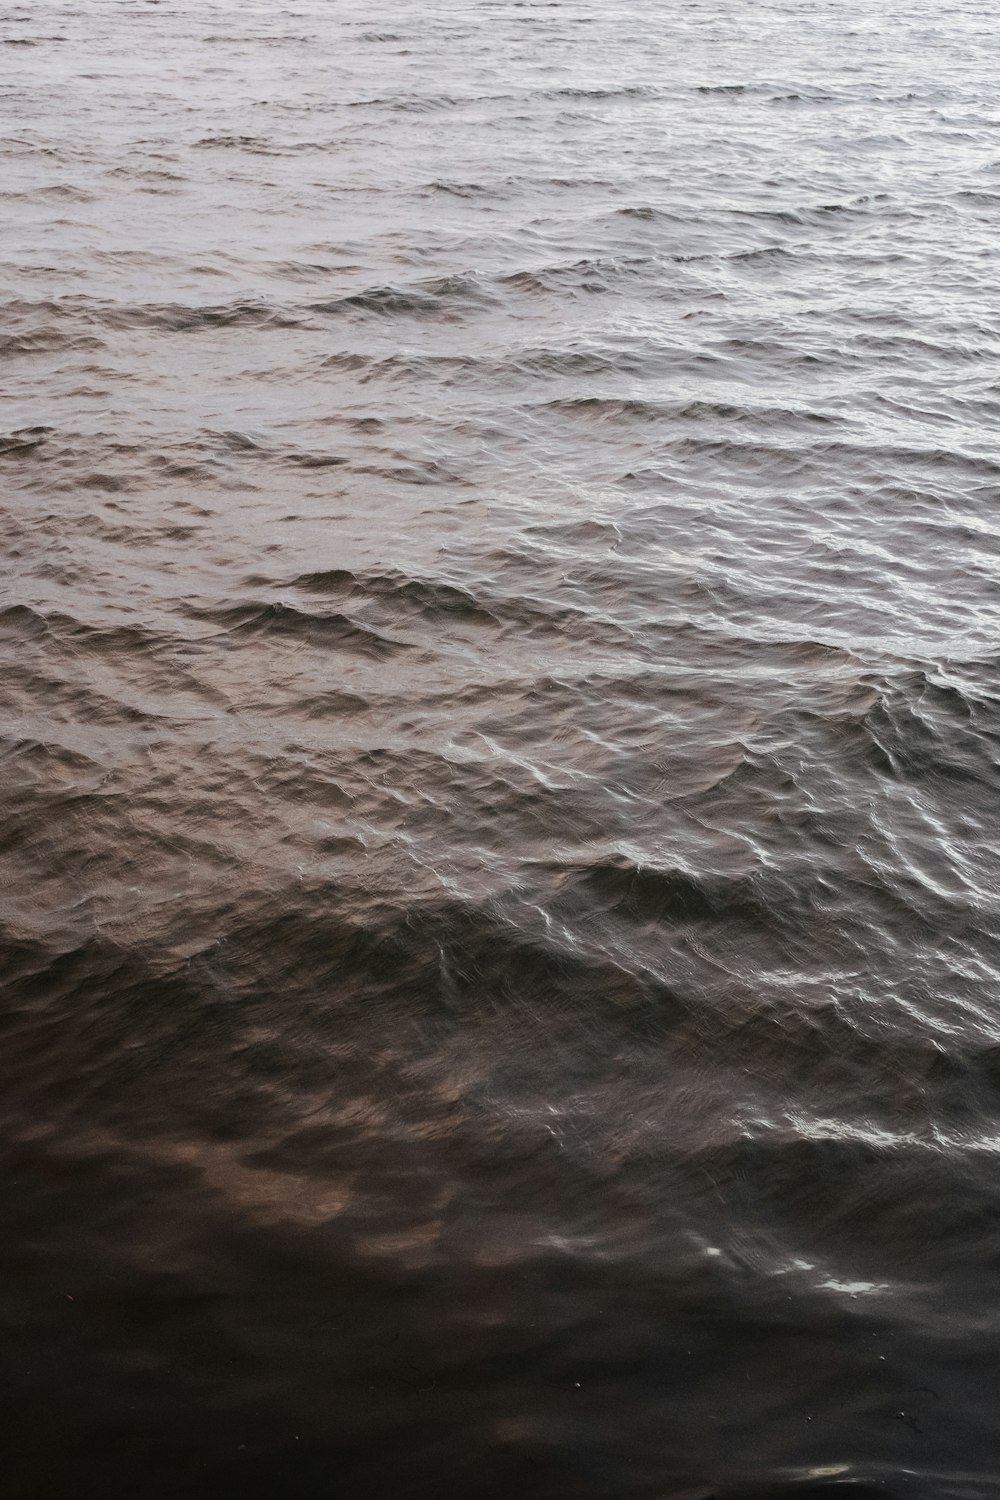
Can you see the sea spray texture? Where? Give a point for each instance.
(498, 663)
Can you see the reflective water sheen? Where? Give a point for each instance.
(500, 719)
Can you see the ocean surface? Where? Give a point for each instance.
(499, 732)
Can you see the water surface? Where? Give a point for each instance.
(499, 719)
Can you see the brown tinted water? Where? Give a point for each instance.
(499, 677)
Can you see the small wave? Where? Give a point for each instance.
(605, 408)
(60, 322)
(426, 471)
(673, 895)
(232, 142)
(794, 1488)
(21, 622)
(614, 408)
(759, 255)
(26, 440)
(768, 93)
(430, 598)
(408, 600)
(173, 317)
(46, 341)
(440, 297)
(410, 104)
(623, 91)
(802, 96)
(589, 274)
(462, 189)
(280, 621)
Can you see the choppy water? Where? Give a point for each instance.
(499, 672)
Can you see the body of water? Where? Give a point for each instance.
(499, 727)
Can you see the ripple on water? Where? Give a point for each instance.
(499, 733)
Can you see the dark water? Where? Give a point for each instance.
(500, 723)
